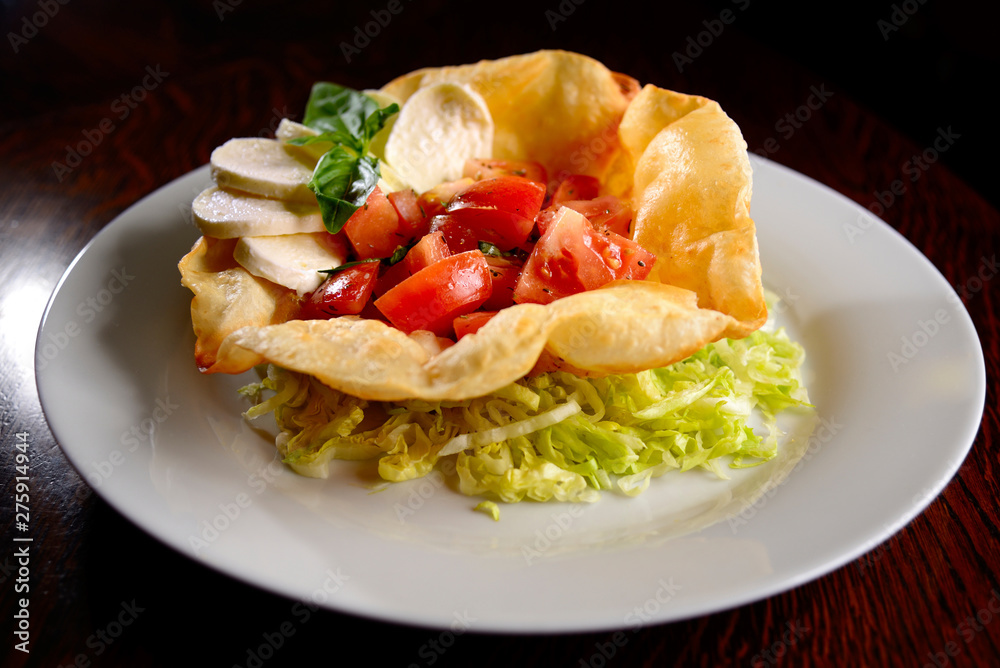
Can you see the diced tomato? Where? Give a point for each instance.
(512, 194)
(504, 272)
(470, 323)
(571, 257)
(375, 230)
(435, 201)
(407, 206)
(433, 297)
(458, 237)
(463, 229)
(576, 187)
(487, 169)
(636, 261)
(431, 248)
(391, 277)
(343, 293)
(605, 213)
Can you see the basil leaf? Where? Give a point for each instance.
(347, 265)
(342, 182)
(327, 137)
(376, 121)
(486, 248)
(399, 254)
(341, 111)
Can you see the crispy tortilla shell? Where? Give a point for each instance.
(592, 331)
(680, 160)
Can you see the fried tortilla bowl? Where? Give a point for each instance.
(679, 159)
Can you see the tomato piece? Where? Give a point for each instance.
(606, 213)
(435, 201)
(407, 206)
(433, 297)
(576, 187)
(375, 229)
(470, 323)
(458, 237)
(512, 194)
(487, 169)
(504, 272)
(571, 257)
(391, 277)
(343, 293)
(431, 248)
(463, 229)
(635, 261)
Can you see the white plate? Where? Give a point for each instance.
(895, 370)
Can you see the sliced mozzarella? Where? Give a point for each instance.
(439, 128)
(263, 167)
(377, 147)
(292, 260)
(226, 214)
(288, 130)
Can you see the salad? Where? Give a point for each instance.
(533, 268)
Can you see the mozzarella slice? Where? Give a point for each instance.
(292, 260)
(439, 128)
(288, 130)
(226, 214)
(263, 167)
(383, 100)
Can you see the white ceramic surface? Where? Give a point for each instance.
(895, 370)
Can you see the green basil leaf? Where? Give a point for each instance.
(342, 182)
(341, 111)
(376, 121)
(486, 248)
(327, 138)
(399, 254)
(347, 265)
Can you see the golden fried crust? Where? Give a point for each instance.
(228, 298)
(692, 187)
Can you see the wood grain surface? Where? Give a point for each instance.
(154, 87)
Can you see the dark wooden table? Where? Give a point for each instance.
(154, 87)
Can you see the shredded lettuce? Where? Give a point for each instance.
(555, 436)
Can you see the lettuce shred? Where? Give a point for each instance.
(554, 436)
